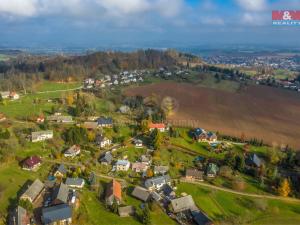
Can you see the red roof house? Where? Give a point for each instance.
(159, 126)
(113, 193)
(31, 163)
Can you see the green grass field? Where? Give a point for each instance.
(221, 206)
(54, 86)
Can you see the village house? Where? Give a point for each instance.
(146, 159)
(212, 170)
(141, 193)
(113, 193)
(40, 119)
(61, 171)
(41, 135)
(161, 127)
(126, 211)
(60, 194)
(193, 174)
(90, 125)
(156, 183)
(14, 95)
(183, 204)
(20, 217)
(31, 163)
(122, 165)
(72, 151)
(254, 161)
(106, 159)
(201, 135)
(201, 218)
(34, 191)
(5, 94)
(139, 167)
(60, 119)
(160, 170)
(102, 141)
(57, 215)
(75, 182)
(138, 143)
(105, 122)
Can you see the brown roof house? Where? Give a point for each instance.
(31, 163)
(20, 217)
(126, 211)
(34, 191)
(194, 174)
(113, 193)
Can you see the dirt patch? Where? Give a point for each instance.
(259, 112)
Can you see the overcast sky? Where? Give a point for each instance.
(95, 23)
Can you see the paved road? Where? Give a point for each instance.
(241, 193)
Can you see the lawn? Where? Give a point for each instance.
(55, 86)
(222, 206)
(13, 179)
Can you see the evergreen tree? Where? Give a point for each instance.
(146, 219)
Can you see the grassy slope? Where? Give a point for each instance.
(220, 205)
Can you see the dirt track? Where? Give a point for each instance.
(265, 113)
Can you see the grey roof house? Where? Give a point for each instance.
(60, 194)
(106, 158)
(183, 203)
(75, 182)
(59, 214)
(254, 160)
(141, 193)
(34, 190)
(156, 183)
(105, 122)
(61, 171)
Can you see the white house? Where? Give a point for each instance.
(122, 165)
(72, 151)
(102, 141)
(41, 135)
(14, 95)
(156, 183)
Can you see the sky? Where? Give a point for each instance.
(144, 23)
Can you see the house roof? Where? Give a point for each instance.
(34, 189)
(256, 160)
(114, 188)
(194, 173)
(104, 121)
(74, 181)
(56, 213)
(21, 216)
(157, 180)
(212, 168)
(73, 149)
(39, 133)
(90, 125)
(32, 161)
(122, 162)
(139, 165)
(155, 196)
(200, 218)
(62, 169)
(167, 189)
(161, 169)
(61, 193)
(107, 157)
(141, 193)
(157, 125)
(126, 210)
(183, 203)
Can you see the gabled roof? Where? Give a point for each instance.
(107, 157)
(74, 181)
(141, 193)
(126, 210)
(73, 149)
(21, 216)
(212, 168)
(104, 121)
(61, 193)
(32, 161)
(56, 213)
(34, 190)
(183, 203)
(194, 173)
(200, 218)
(256, 160)
(157, 125)
(62, 169)
(157, 180)
(122, 162)
(161, 169)
(114, 188)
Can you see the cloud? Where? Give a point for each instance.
(252, 5)
(23, 8)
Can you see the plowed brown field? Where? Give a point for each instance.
(259, 112)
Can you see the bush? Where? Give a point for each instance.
(261, 204)
(225, 171)
(238, 184)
